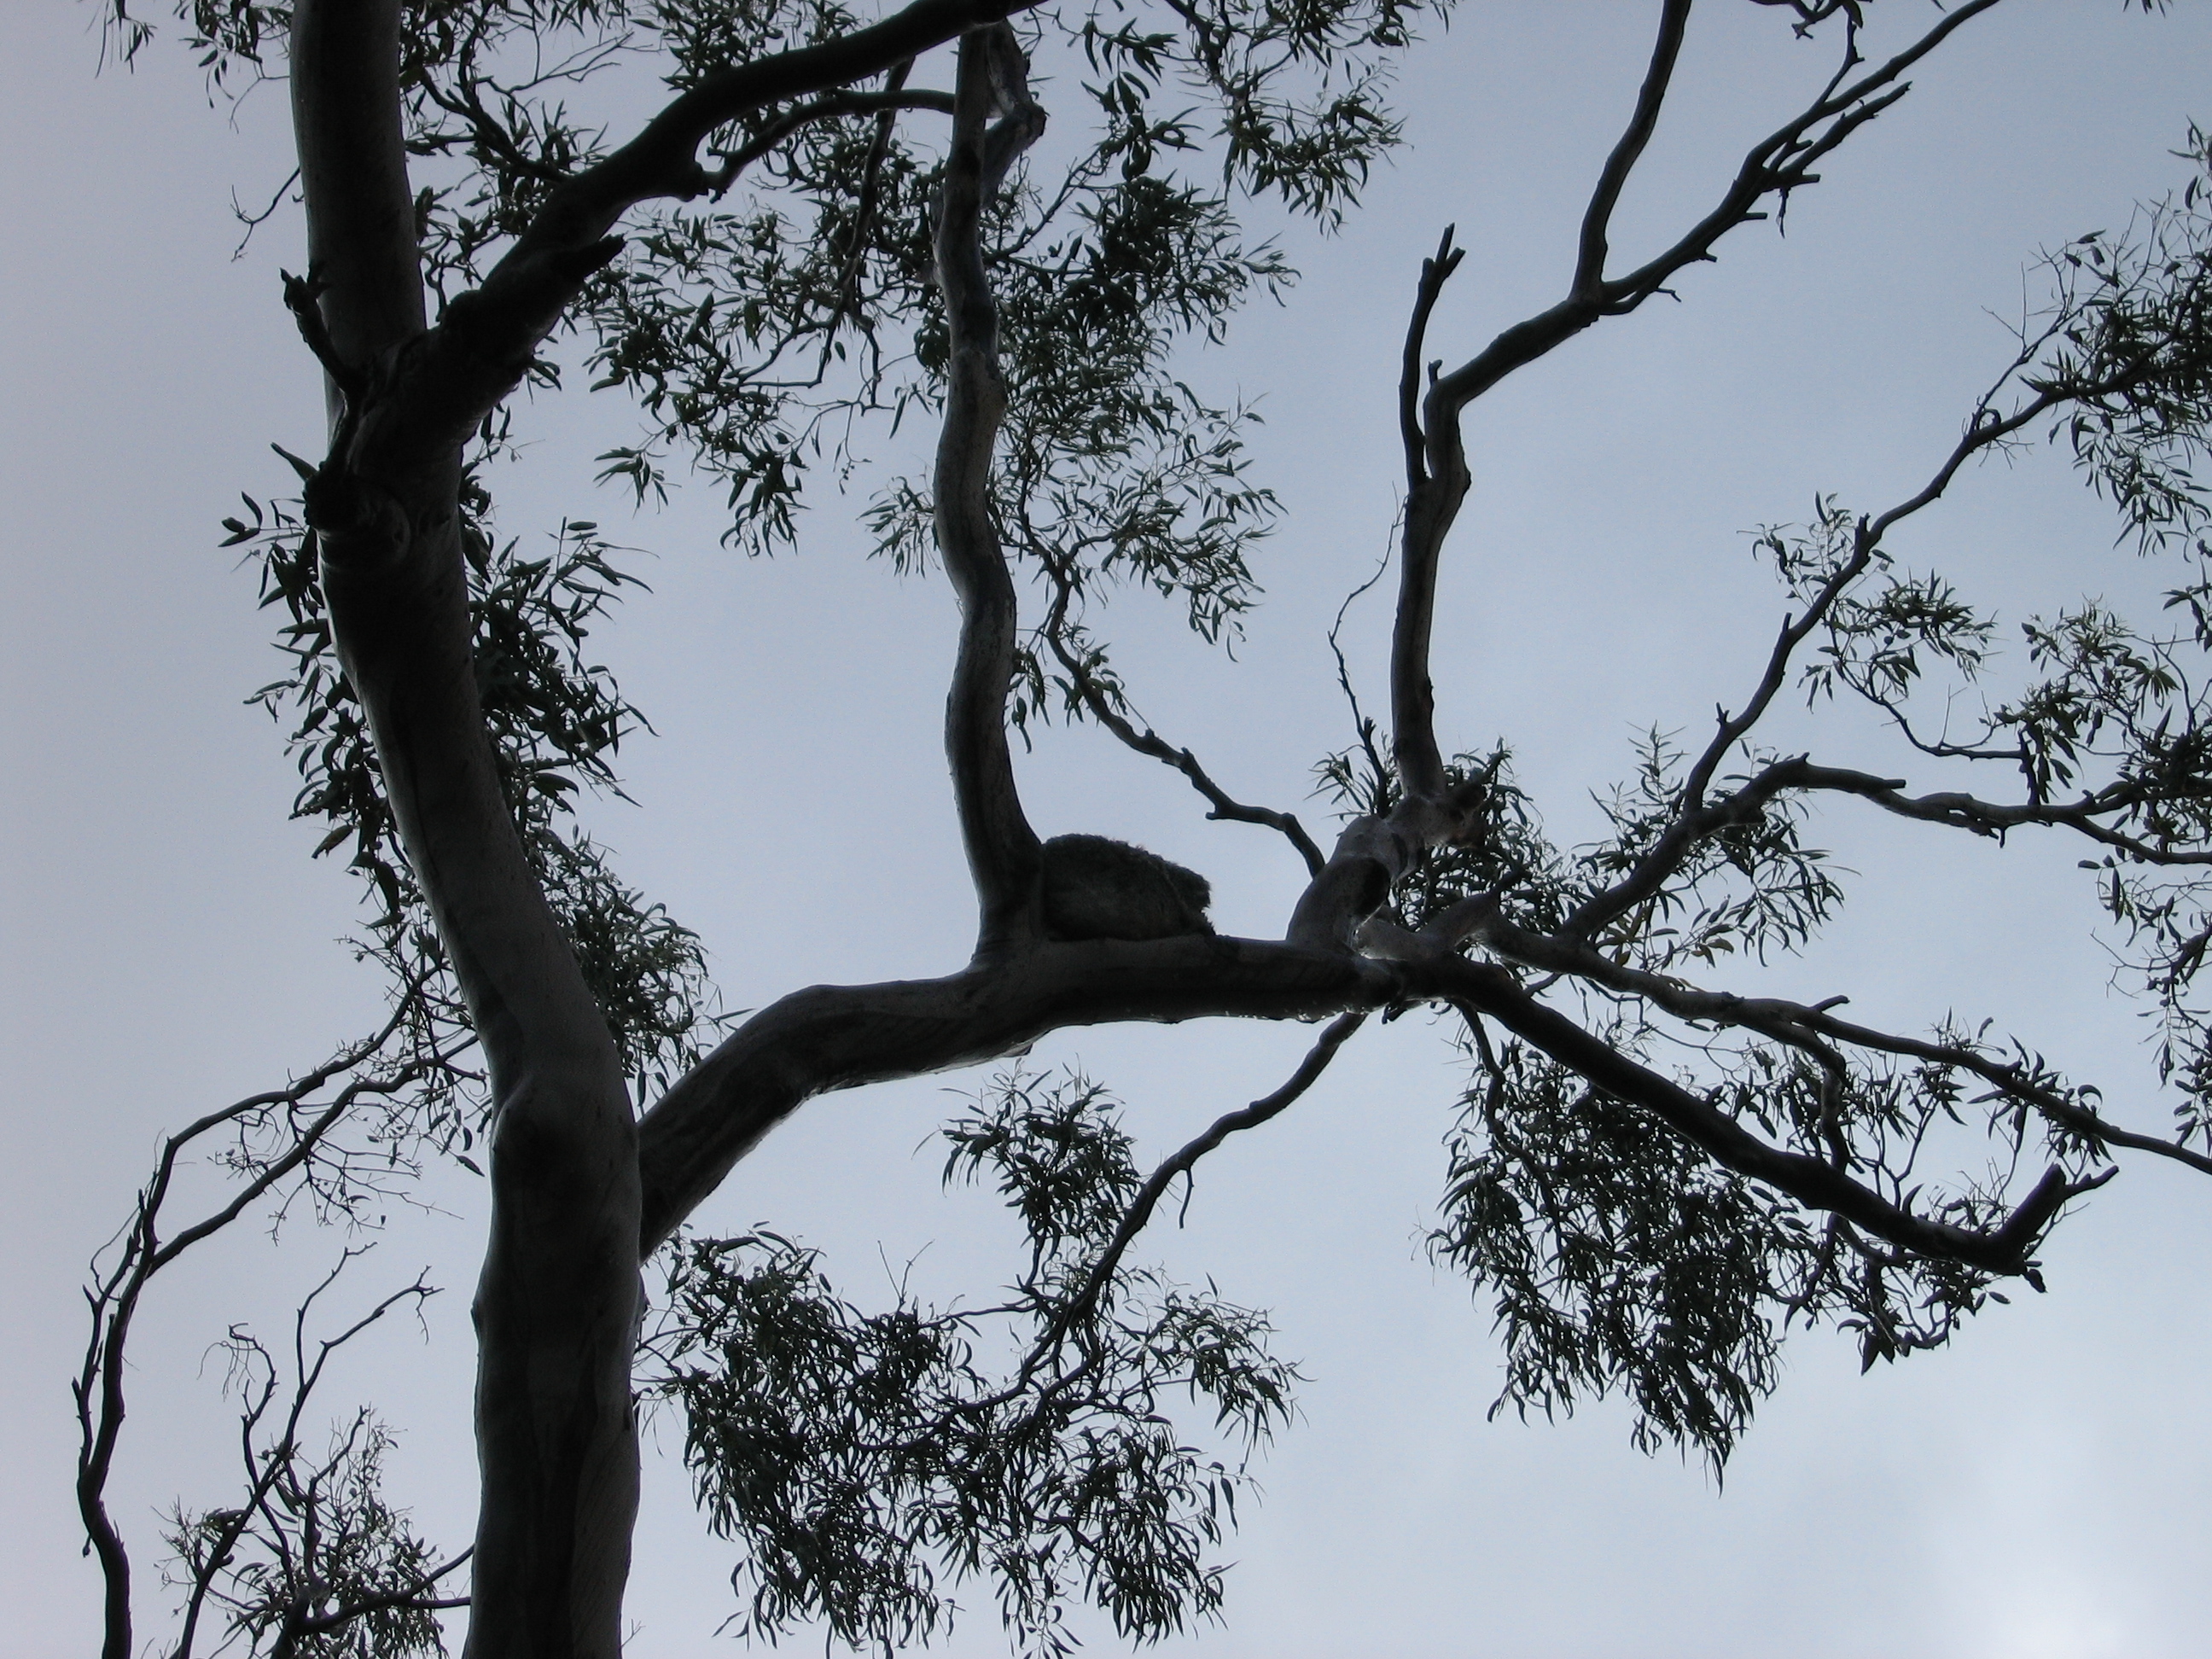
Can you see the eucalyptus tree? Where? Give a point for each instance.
(829, 227)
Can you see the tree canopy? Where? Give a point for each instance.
(822, 235)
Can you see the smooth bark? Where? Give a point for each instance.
(1003, 855)
(829, 1037)
(557, 1304)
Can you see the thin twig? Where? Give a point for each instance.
(1086, 1301)
(1334, 1036)
(1149, 742)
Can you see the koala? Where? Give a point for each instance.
(1095, 888)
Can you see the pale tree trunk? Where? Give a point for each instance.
(556, 1306)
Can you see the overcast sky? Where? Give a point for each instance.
(2039, 1491)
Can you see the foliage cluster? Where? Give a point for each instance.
(870, 1462)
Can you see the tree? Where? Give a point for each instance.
(1645, 1224)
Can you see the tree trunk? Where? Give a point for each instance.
(556, 1306)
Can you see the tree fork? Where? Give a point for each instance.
(556, 1305)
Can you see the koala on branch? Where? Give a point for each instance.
(1095, 888)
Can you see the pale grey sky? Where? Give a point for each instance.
(2039, 1491)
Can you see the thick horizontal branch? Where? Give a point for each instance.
(884, 104)
(833, 1037)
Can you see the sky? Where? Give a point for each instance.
(2036, 1491)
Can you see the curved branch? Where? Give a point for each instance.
(1697, 819)
(1133, 1220)
(557, 1304)
(1370, 855)
(490, 134)
(269, 1467)
(1733, 728)
(530, 283)
(1804, 1026)
(1986, 429)
(1436, 272)
(1960, 811)
(1590, 258)
(884, 104)
(1775, 166)
(832, 1037)
(2056, 1106)
(453, 374)
(300, 1622)
(114, 1293)
(2005, 1249)
(1149, 742)
(864, 206)
(1437, 481)
(1139, 1213)
(1002, 849)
